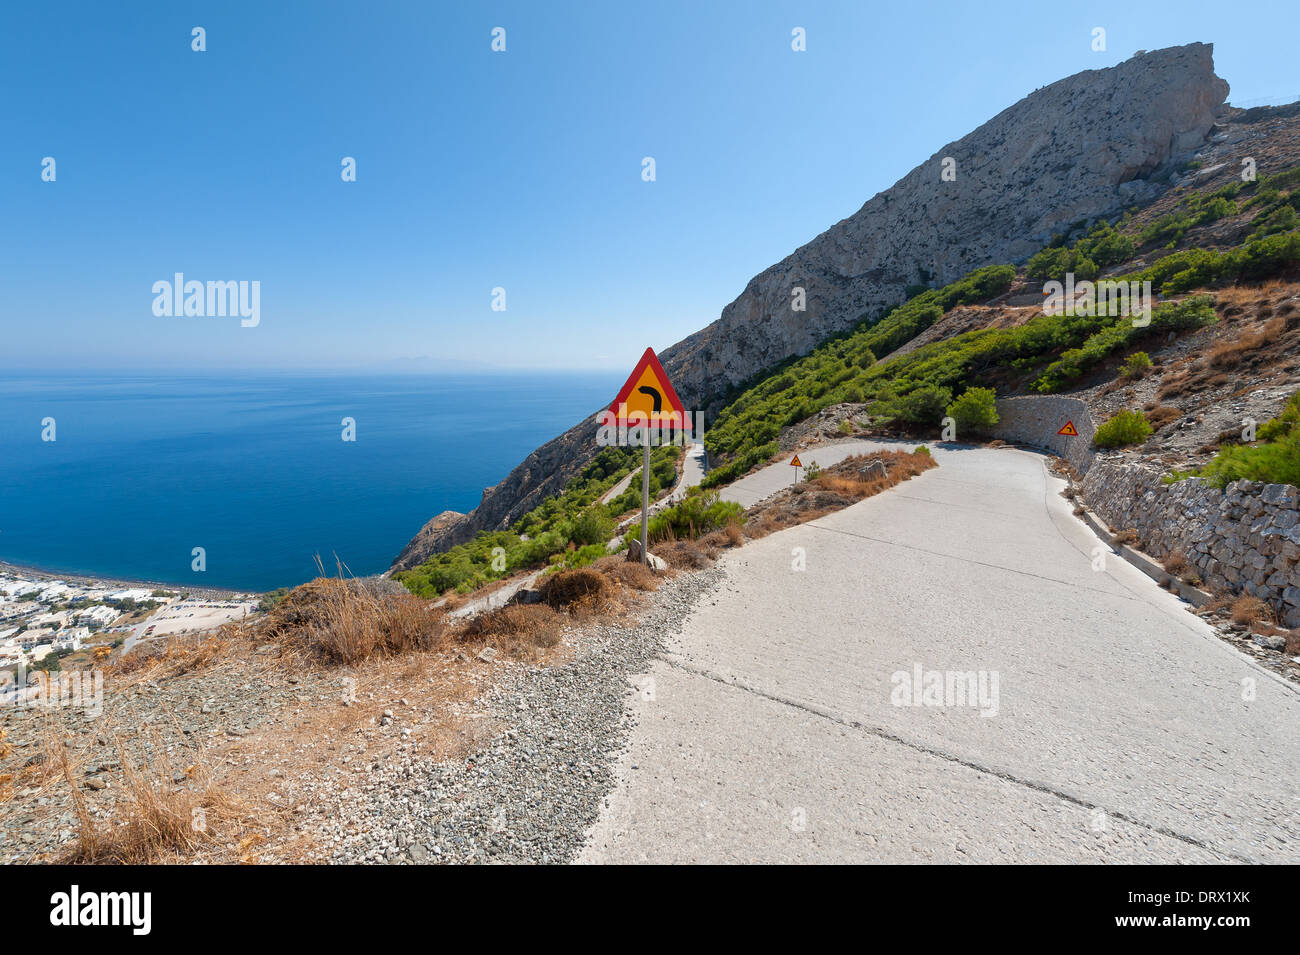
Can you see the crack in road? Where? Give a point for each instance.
(892, 737)
(970, 560)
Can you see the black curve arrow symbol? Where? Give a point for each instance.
(654, 396)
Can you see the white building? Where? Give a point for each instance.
(71, 639)
(101, 615)
(55, 621)
(20, 609)
(17, 587)
(138, 595)
(54, 591)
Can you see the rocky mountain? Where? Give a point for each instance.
(1083, 148)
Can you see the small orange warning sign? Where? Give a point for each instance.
(795, 462)
(1069, 430)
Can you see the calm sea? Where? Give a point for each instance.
(254, 469)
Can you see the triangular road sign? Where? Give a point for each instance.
(1069, 430)
(648, 396)
(795, 462)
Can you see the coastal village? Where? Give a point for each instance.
(46, 620)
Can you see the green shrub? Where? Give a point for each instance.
(1274, 460)
(1101, 247)
(1281, 219)
(1124, 428)
(593, 526)
(738, 466)
(974, 410)
(1136, 365)
(272, 599)
(580, 557)
(569, 529)
(1286, 421)
(1277, 462)
(1264, 258)
(695, 515)
(922, 405)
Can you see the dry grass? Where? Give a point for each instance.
(856, 477)
(389, 646)
(1228, 353)
(517, 630)
(633, 574)
(1190, 381)
(1247, 610)
(1127, 536)
(155, 822)
(1257, 332)
(568, 589)
(852, 480)
(178, 655)
(1176, 563)
(1218, 602)
(348, 621)
(686, 554)
(1161, 415)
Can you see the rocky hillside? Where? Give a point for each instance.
(1082, 148)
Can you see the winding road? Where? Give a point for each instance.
(1108, 723)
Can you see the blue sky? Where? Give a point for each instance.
(478, 169)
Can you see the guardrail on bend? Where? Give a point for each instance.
(1037, 421)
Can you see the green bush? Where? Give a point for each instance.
(272, 599)
(695, 515)
(1124, 428)
(1274, 460)
(1116, 332)
(1136, 365)
(922, 405)
(593, 526)
(569, 529)
(578, 558)
(974, 410)
(1277, 462)
(1285, 422)
(1101, 247)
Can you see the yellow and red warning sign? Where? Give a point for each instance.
(647, 397)
(1069, 430)
(796, 463)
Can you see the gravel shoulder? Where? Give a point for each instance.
(533, 783)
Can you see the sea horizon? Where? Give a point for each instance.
(258, 468)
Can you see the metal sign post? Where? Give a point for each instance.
(645, 497)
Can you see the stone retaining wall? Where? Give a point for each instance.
(1242, 539)
(1035, 421)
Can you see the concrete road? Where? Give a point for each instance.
(692, 472)
(1108, 725)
